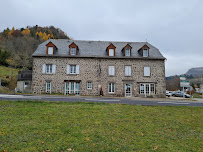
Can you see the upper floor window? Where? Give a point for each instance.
(73, 51)
(49, 68)
(145, 52)
(72, 69)
(127, 70)
(127, 52)
(147, 71)
(50, 50)
(111, 52)
(111, 70)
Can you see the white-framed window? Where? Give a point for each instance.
(89, 85)
(146, 71)
(111, 52)
(127, 52)
(127, 70)
(145, 52)
(48, 87)
(73, 51)
(147, 88)
(50, 50)
(111, 70)
(49, 68)
(72, 88)
(73, 69)
(111, 88)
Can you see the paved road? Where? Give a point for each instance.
(101, 99)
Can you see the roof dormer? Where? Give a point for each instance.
(73, 49)
(127, 50)
(144, 51)
(51, 48)
(111, 49)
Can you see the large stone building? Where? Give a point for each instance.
(74, 67)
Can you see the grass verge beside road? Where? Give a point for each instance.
(58, 126)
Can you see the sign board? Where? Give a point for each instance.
(184, 83)
(182, 77)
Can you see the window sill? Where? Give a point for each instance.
(128, 76)
(111, 92)
(111, 75)
(48, 73)
(89, 88)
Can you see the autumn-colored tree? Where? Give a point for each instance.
(40, 34)
(26, 32)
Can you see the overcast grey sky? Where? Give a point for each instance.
(173, 26)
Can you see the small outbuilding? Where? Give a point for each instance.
(24, 81)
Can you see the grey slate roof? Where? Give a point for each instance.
(96, 49)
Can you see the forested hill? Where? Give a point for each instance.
(17, 45)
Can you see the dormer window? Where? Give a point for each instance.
(145, 52)
(73, 49)
(51, 48)
(111, 50)
(127, 50)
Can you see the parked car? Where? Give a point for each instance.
(168, 93)
(180, 94)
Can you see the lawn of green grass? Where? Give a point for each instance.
(37, 126)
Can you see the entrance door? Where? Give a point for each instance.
(128, 90)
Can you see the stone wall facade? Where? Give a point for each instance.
(95, 70)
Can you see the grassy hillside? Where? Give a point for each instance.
(89, 127)
(8, 79)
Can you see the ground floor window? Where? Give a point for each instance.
(72, 88)
(25, 84)
(89, 85)
(147, 88)
(111, 88)
(48, 87)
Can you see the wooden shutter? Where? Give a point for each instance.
(53, 69)
(113, 70)
(77, 69)
(126, 70)
(68, 69)
(44, 68)
(129, 70)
